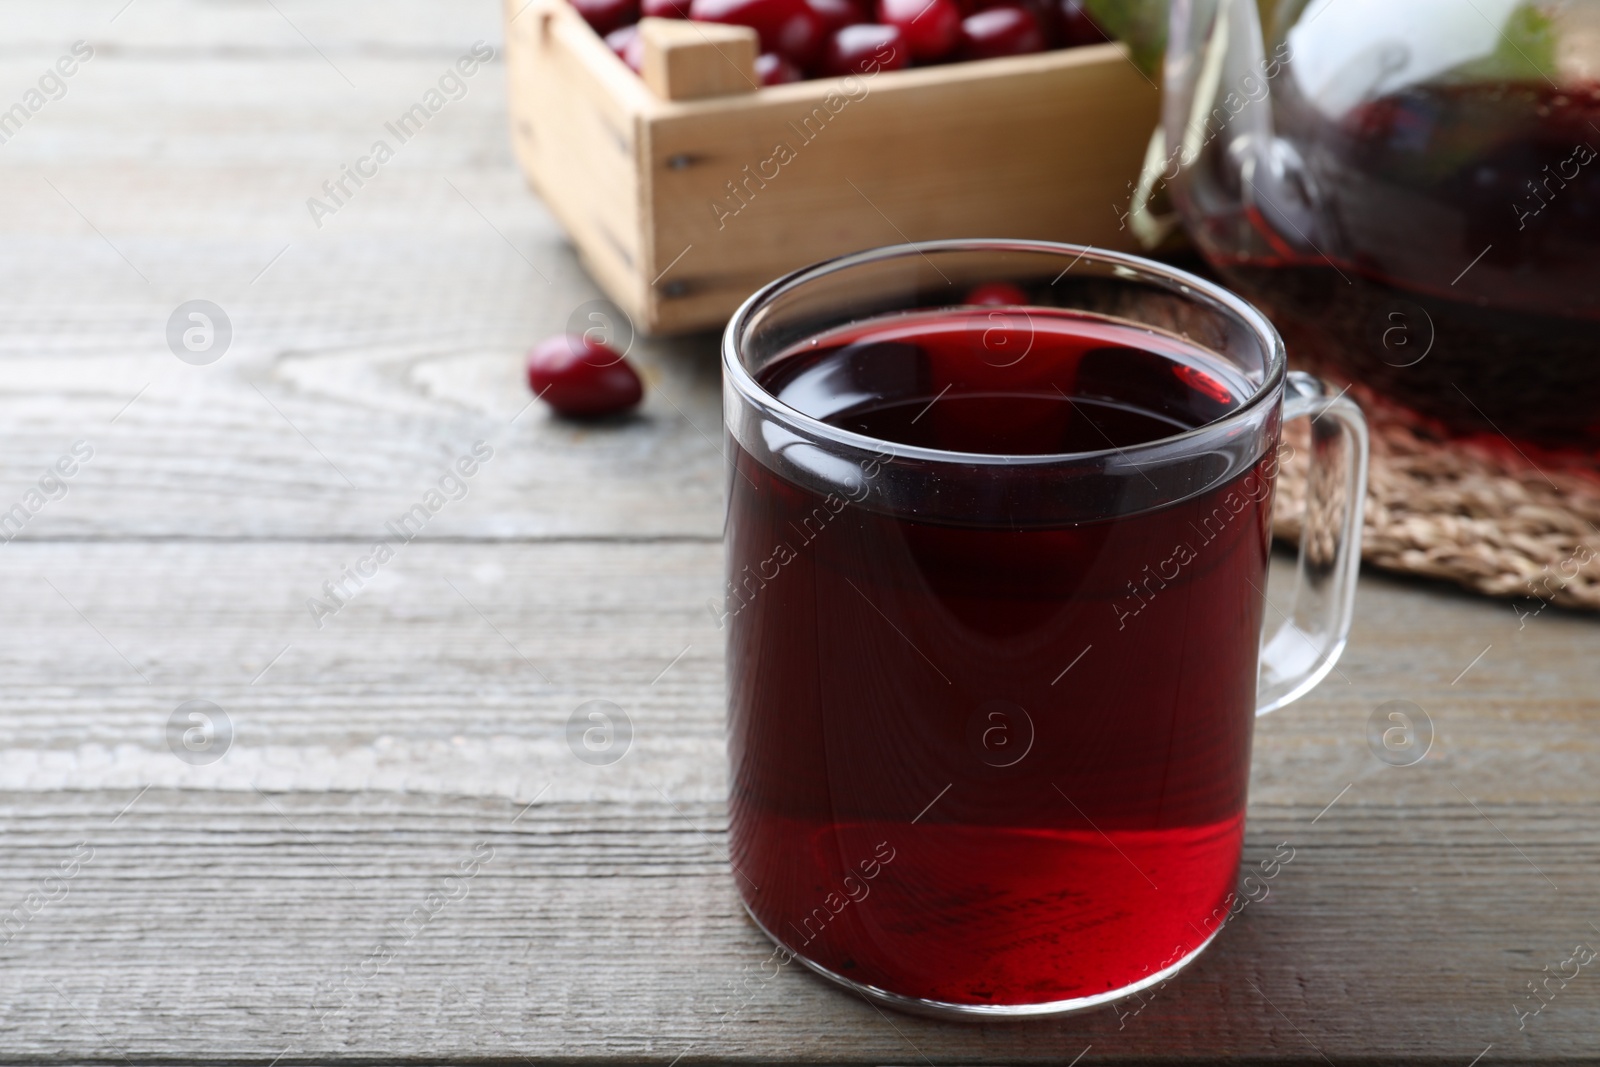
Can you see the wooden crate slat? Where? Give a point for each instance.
(576, 134)
(1037, 151)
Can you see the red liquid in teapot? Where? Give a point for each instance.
(1469, 284)
(992, 763)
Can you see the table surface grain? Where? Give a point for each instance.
(282, 904)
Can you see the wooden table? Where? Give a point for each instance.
(303, 899)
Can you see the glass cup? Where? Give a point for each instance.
(990, 714)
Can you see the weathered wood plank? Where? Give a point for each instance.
(216, 916)
(245, 926)
(333, 438)
(369, 346)
(508, 639)
(452, 671)
(286, 27)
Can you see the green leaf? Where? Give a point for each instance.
(1140, 24)
(1526, 51)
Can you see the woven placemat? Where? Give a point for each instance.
(1501, 518)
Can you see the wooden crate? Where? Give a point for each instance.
(1040, 146)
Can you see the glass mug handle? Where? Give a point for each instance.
(1306, 645)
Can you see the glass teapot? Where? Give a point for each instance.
(1409, 188)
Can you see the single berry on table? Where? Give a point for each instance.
(582, 378)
